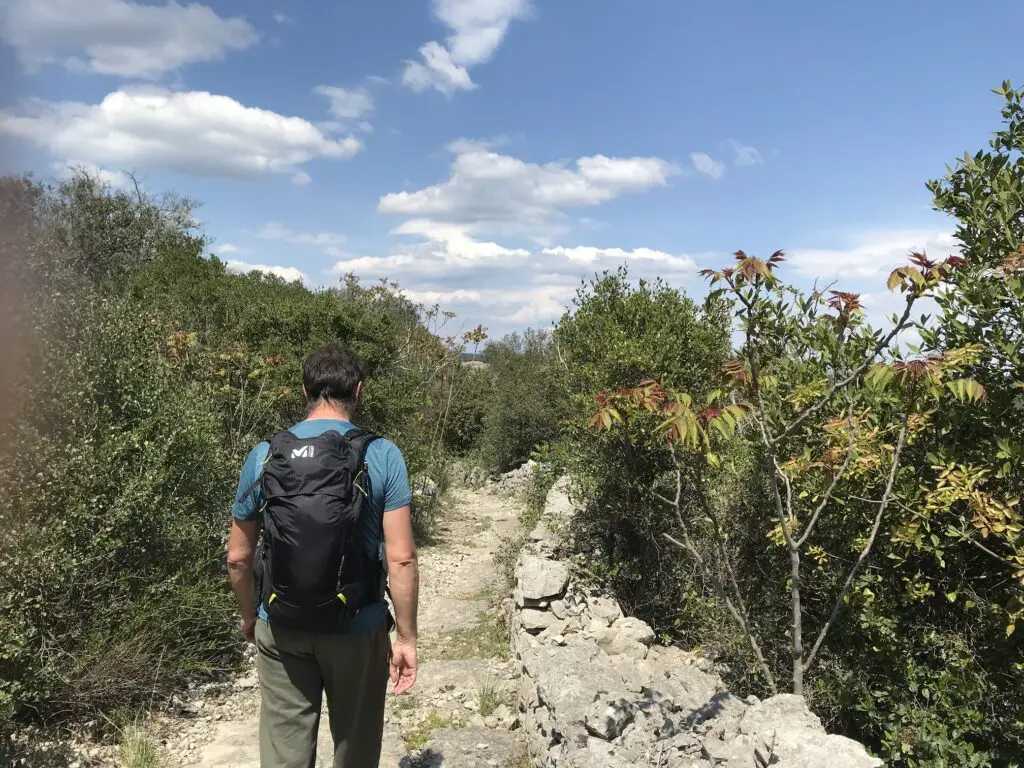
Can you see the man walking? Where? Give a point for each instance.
(333, 504)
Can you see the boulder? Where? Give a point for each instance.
(634, 629)
(608, 719)
(540, 578)
(535, 621)
(794, 737)
(571, 678)
(604, 609)
(558, 506)
(616, 644)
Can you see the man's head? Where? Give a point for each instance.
(332, 376)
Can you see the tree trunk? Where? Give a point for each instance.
(798, 634)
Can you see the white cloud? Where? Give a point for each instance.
(871, 256)
(276, 231)
(706, 165)
(301, 179)
(744, 155)
(119, 37)
(589, 255)
(347, 103)
(468, 146)
(228, 248)
(291, 274)
(488, 191)
(281, 18)
(190, 132)
(531, 304)
(478, 27)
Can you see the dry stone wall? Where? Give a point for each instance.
(596, 690)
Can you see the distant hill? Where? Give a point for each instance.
(470, 357)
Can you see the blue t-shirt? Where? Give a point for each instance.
(389, 491)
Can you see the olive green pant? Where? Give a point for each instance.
(295, 668)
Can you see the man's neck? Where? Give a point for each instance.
(328, 411)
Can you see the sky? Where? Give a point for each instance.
(488, 155)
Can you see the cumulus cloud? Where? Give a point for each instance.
(347, 103)
(588, 255)
(706, 165)
(228, 248)
(744, 155)
(871, 256)
(478, 27)
(488, 191)
(119, 37)
(191, 132)
(276, 231)
(291, 274)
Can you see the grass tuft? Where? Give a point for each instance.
(489, 696)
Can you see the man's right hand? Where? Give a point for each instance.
(403, 665)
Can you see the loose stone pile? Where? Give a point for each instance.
(596, 690)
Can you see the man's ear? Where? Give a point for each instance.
(359, 392)
(305, 394)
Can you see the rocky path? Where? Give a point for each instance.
(461, 713)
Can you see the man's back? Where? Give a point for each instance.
(350, 660)
(389, 491)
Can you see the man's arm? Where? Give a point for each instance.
(403, 584)
(241, 550)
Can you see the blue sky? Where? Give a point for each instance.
(487, 154)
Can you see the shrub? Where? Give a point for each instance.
(525, 407)
(149, 374)
(618, 335)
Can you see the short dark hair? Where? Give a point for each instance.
(332, 373)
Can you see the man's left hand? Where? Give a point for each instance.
(248, 628)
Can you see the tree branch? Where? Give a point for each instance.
(866, 551)
(838, 476)
(739, 615)
(882, 344)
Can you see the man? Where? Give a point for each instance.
(347, 656)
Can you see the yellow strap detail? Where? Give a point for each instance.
(343, 598)
(273, 597)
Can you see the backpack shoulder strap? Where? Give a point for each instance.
(361, 439)
(259, 473)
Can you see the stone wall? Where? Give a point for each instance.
(596, 690)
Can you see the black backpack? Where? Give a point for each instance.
(312, 570)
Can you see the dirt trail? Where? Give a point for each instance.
(461, 713)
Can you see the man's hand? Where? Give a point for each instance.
(248, 628)
(241, 549)
(403, 665)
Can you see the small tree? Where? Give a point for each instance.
(828, 421)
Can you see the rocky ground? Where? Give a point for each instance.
(460, 714)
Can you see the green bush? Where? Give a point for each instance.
(471, 401)
(618, 335)
(525, 407)
(149, 374)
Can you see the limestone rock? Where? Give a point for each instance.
(558, 506)
(607, 719)
(558, 609)
(634, 629)
(535, 621)
(616, 644)
(569, 680)
(604, 609)
(540, 579)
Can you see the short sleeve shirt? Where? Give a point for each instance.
(389, 491)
